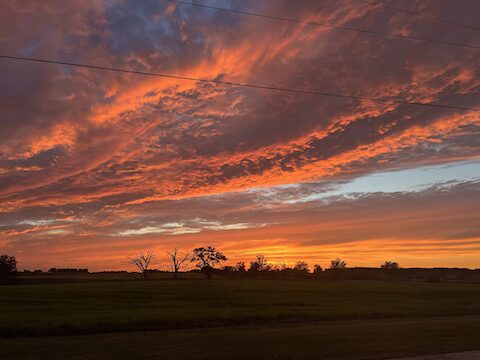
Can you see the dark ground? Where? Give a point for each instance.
(102, 317)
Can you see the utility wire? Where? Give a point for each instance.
(337, 27)
(426, 16)
(239, 84)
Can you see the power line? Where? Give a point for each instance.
(239, 84)
(337, 27)
(426, 16)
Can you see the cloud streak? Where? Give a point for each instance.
(92, 157)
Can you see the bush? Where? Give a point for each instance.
(8, 268)
(338, 264)
(390, 265)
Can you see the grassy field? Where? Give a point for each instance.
(242, 318)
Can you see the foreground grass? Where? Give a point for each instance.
(360, 339)
(101, 307)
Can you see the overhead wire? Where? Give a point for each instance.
(423, 15)
(325, 25)
(237, 84)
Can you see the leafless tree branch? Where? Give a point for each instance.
(143, 261)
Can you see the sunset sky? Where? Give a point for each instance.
(97, 166)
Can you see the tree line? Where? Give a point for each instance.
(210, 262)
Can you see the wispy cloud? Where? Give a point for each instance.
(91, 158)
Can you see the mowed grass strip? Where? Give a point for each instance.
(359, 339)
(101, 307)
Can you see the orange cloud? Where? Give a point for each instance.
(100, 153)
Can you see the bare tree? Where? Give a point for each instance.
(207, 258)
(178, 261)
(142, 262)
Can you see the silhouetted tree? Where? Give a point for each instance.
(281, 267)
(142, 262)
(178, 261)
(227, 268)
(390, 265)
(338, 264)
(301, 266)
(207, 258)
(317, 269)
(239, 266)
(259, 264)
(8, 268)
(337, 268)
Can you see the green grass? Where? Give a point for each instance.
(369, 339)
(95, 307)
(202, 312)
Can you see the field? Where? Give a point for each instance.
(111, 317)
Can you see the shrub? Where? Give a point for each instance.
(8, 268)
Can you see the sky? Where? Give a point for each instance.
(98, 166)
